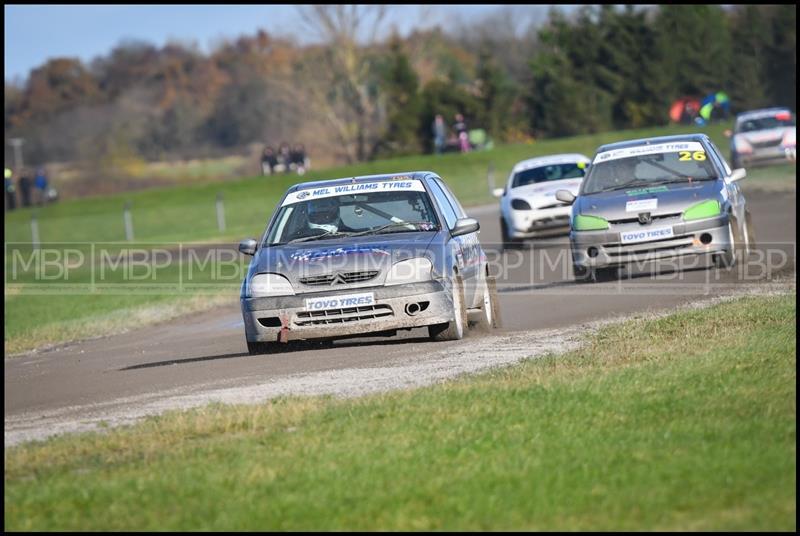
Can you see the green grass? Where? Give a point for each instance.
(187, 213)
(687, 422)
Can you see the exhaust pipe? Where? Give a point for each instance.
(412, 309)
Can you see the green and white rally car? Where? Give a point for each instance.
(656, 198)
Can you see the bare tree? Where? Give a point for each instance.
(340, 78)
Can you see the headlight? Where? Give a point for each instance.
(262, 285)
(409, 271)
(520, 204)
(704, 209)
(589, 223)
(742, 145)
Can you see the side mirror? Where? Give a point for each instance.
(499, 192)
(565, 196)
(248, 246)
(738, 174)
(465, 226)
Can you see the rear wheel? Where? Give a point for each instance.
(750, 236)
(490, 311)
(454, 330)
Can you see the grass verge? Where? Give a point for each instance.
(687, 422)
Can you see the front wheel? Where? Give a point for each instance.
(508, 242)
(453, 330)
(736, 162)
(256, 348)
(728, 258)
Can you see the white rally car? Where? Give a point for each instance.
(528, 204)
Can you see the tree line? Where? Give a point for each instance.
(594, 69)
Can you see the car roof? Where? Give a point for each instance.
(652, 141)
(763, 112)
(539, 161)
(406, 175)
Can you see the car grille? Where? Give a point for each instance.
(765, 144)
(342, 316)
(339, 278)
(636, 219)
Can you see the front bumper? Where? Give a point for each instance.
(538, 223)
(265, 318)
(610, 251)
(768, 155)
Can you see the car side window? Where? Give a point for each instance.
(449, 213)
(720, 160)
(452, 198)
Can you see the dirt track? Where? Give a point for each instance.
(174, 364)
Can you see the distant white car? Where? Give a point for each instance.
(764, 137)
(528, 204)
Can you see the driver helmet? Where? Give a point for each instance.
(324, 213)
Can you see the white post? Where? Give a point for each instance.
(34, 231)
(126, 216)
(220, 213)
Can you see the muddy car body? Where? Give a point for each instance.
(365, 256)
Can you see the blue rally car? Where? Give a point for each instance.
(656, 198)
(366, 256)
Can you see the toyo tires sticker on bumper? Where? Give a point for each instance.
(340, 302)
(644, 235)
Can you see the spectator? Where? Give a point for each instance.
(40, 182)
(11, 193)
(25, 189)
(268, 161)
(460, 127)
(284, 158)
(439, 134)
(299, 160)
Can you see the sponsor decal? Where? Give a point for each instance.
(644, 235)
(639, 205)
(639, 150)
(344, 189)
(650, 190)
(340, 302)
(310, 255)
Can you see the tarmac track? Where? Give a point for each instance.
(207, 350)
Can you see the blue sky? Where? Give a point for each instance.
(33, 34)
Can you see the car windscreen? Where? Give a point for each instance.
(645, 166)
(352, 214)
(554, 172)
(778, 120)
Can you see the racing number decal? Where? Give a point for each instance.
(685, 156)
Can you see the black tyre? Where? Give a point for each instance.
(490, 311)
(255, 348)
(508, 242)
(728, 258)
(736, 162)
(610, 273)
(455, 330)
